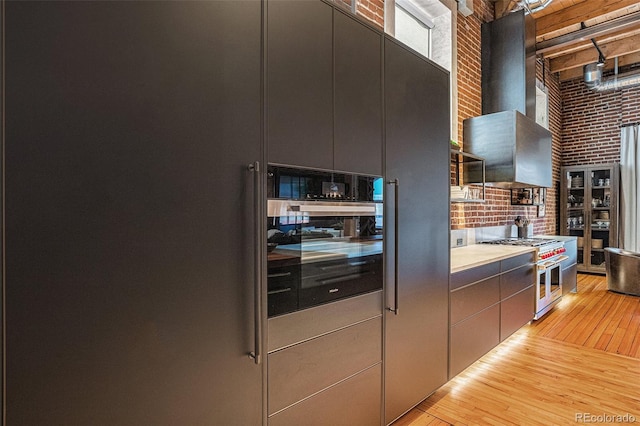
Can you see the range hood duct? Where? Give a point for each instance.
(594, 81)
(516, 149)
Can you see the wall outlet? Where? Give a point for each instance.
(459, 242)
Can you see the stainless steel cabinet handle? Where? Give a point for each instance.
(395, 308)
(256, 355)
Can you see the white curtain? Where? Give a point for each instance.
(630, 185)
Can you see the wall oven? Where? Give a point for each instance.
(324, 237)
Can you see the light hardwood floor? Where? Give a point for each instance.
(580, 361)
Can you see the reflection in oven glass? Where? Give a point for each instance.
(324, 238)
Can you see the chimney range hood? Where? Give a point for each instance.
(516, 149)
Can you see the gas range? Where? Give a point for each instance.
(547, 248)
(529, 242)
(549, 257)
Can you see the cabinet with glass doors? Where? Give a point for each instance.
(589, 211)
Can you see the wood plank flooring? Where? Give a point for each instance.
(582, 359)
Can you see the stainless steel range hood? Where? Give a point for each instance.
(516, 149)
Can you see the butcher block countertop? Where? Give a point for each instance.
(475, 255)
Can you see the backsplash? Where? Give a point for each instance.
(498, 211)
(469, 236)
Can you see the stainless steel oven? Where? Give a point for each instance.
(549, 258)
(549, 271)
(324, 237)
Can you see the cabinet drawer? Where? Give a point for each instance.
(296, 327)
(517, 261)
(516, 311)
(468, 276)
(472, 338)
(516, 280)
(355, 401)
(472, 299)
(301, 370)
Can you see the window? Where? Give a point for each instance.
(425, 26)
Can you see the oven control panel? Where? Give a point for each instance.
(552, 253)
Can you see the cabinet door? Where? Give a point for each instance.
(575, 206)
(358, 97)
(300, 83)
(129, 212)
(603, 226)
(417, 154)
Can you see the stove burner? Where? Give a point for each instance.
(527, 242)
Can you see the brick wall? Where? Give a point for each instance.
(591, 130)
(498, 209)
(372, 10)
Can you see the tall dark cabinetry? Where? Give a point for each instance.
(358, 97)
(324, 88)
(417, 154)
(129, 212)
(300, 83)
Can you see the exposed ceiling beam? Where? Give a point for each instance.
(608, 27)
(503, 7)
(587, 56)
(624, 60)
(580, 12)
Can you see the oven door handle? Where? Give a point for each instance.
(545, 264)
(395, 307)
(256, 354)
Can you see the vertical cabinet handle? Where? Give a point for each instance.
(256, 355)
(396, 184)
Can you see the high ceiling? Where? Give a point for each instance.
(564, 30)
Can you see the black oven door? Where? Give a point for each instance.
(326, 281)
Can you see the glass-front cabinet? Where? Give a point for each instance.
(590, 211)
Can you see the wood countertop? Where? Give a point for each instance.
(475, 255)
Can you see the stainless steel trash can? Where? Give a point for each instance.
(623, 270)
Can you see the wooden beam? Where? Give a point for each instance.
(503, 7)
(579, 13)
(587, 56)
(609, 65)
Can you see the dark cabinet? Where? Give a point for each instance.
(324, 88)
(417, 155)
(299, 93)
(325, 364)
(488, 304)
(358, 97)
(129, 212)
